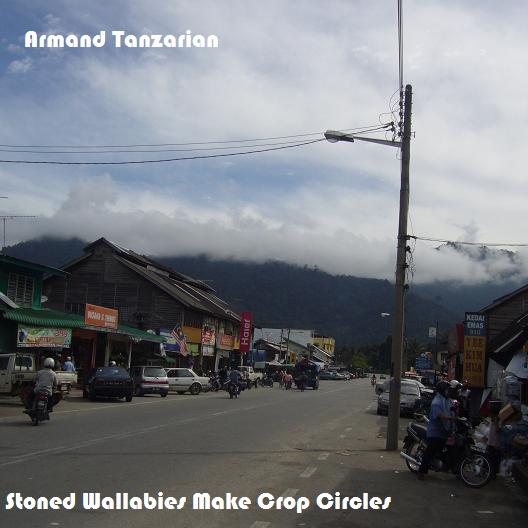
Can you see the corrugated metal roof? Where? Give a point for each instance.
(44, 317)
(185, 293)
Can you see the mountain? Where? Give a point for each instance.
(283, 295)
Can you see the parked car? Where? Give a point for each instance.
(184, 380)
(149, 380)
(331, 375)
(109, 382)
(410, 399)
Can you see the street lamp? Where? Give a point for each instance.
(401, 264)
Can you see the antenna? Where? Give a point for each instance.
(12, 217)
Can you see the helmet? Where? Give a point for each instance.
(68, 358)
(442, 386)
(112, 363)
(49, 363)
(455, 384)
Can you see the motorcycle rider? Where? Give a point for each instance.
(234, 377)
(439, 427)
(45, 383)
(373, 380)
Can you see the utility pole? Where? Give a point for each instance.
(400, 286)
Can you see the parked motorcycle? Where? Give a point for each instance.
(266, 381)
(461, 457)
(215, 383)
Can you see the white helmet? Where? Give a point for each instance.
(68, 358)
(112, 364)
(49, 363)
(455, 384)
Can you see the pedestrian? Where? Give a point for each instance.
(68, 365)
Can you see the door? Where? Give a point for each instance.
(183, 379)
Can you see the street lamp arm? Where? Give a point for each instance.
(334, 135)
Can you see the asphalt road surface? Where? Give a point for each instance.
(270, 443)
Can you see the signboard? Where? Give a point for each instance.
(208, 335)
(423, 363)
(227, 342)
(246, 324)
(432, 332)
(100, 316)
(475, 349)
(35, 336)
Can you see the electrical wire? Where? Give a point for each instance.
(446, 241)
(142, 151)
(145, 145)
(138, 162)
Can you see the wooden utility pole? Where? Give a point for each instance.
(400, 286)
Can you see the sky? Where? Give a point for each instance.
(281, 69)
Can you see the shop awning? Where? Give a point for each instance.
(52, 318)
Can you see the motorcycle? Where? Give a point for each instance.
(460, 457)
(233, 389)
(267, 381)
(373, 381)
(40, 408)
(214, 383)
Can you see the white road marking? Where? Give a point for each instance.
(260, 524)
(308, 472)
(348, 429)
(323, 456)
(25, 456)
(485, 511)
(219, 413)
(290, 492)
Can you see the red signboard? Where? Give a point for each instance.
(100, 316)
(245, 332)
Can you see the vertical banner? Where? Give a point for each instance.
(475, 326)
(245, 332)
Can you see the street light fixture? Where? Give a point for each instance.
(401, 264)
(333, 136)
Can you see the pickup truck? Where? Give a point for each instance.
(18, 370)
(249, 374)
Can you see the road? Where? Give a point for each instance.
(283, 443)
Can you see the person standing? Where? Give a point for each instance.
(68, 365)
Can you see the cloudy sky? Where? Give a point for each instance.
(282, 68)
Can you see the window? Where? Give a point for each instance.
(20, 289)
(75, 308)
(4, 362)
(23, 362)
(184, 373)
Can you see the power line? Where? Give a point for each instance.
(363, 129)
(138, 162)
(445, 241)
(378, 128)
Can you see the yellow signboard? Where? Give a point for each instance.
(475, 330)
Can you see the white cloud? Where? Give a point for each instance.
(20, 66)
(282, 70)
